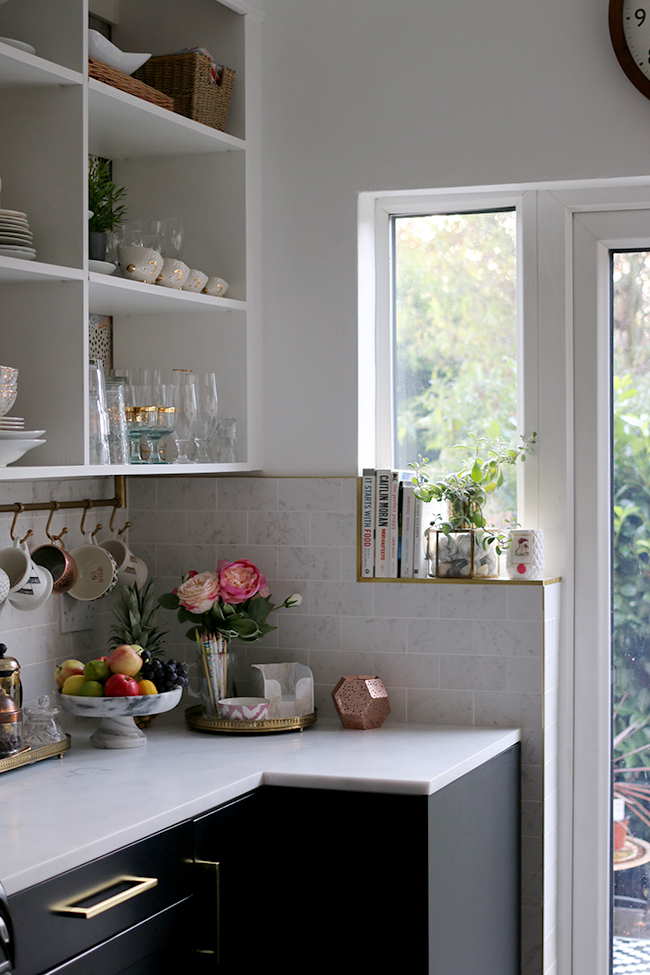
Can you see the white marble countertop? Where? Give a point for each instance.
(59, 814)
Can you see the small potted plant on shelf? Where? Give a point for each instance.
(104, 203)
(464, 544)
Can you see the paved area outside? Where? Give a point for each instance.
(631, 956)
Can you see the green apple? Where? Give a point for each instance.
(91, 688)
(97, 670)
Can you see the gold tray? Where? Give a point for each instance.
(198, 721)
(29, 755)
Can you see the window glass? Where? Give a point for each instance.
(455, 336)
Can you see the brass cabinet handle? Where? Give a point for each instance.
(140, 884)
(209, 869)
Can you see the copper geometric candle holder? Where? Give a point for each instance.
(361, 702)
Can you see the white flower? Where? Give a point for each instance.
(294, 600)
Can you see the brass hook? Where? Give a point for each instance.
(98, 529)
(54, 538)
(111, 526)
(86, 506)
(20, 507)
(122, 530)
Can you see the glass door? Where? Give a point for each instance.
(630, 320)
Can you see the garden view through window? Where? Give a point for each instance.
(455, 340)
(631, 604)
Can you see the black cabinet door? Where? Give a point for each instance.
(232, 886)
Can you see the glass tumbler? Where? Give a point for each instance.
(166, 403)
(118, 434)
(187, 412)
(206, 421)
(98, 422)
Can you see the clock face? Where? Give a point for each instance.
(636, 27)
(629, 27)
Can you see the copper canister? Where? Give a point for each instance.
(10, 676)
(11, 726)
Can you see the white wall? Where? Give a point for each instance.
(393, 94)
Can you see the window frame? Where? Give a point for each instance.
(555, 494)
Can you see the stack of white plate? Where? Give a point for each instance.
(16, 238)
(15, 440)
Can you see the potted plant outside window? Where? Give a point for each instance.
(464, 544)
(104, 202)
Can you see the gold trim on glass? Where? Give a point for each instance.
(140, 885)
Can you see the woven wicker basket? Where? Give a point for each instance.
(186, 78)
(117, 79)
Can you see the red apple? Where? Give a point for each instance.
(125, 660)
(119, 685)
(67, 669)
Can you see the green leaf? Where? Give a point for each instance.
(169, 600)
(477, 473)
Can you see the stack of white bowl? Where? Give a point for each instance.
(14, 439)
(16, 239)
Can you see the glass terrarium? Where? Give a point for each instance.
(468, 553)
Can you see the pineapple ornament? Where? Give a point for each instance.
(136, 612)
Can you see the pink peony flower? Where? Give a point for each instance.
(199, 591)
(239, 580)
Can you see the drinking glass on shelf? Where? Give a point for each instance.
(227, 440)
(118, 434)
(98, 424)
(170, 231)
(166, 402)
(185, 382)
(141, 417)
(207, 410)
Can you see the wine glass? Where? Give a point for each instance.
(166, 400)
(187, 412)
(207, 410)
(140, 417)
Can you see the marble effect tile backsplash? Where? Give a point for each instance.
(447, 653)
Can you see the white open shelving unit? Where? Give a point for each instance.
(53, 116)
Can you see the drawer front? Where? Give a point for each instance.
(47, 936)
(153, 947)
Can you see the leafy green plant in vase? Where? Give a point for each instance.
(104, 202)
(463, 544)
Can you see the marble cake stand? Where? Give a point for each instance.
(118, 729)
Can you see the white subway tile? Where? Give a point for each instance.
(309, 494)
(156, 526)
(440, 707)
(553, 600)
(247, 493)
(141, 492)
(310, 632)
(411, 600)
(329, 666)
(525, 602)
(187, 493)
(411, 670)
(505, 709)
(473, 602)
(348, 563)
(309, 562)
(349, 494)
(278, 527)
(333, 528)
(341, 599)
(440, 636)
(462, 673)
(174, 561)
(374, 633)
(217, 527)
(508, 638)
(524, 673)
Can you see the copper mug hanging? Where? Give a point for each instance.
(54, 557)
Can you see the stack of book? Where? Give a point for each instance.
(393, 523)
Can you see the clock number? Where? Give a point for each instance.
(640, 16)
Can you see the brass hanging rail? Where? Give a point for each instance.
(118, 501)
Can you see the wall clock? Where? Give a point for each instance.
(629, 27)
